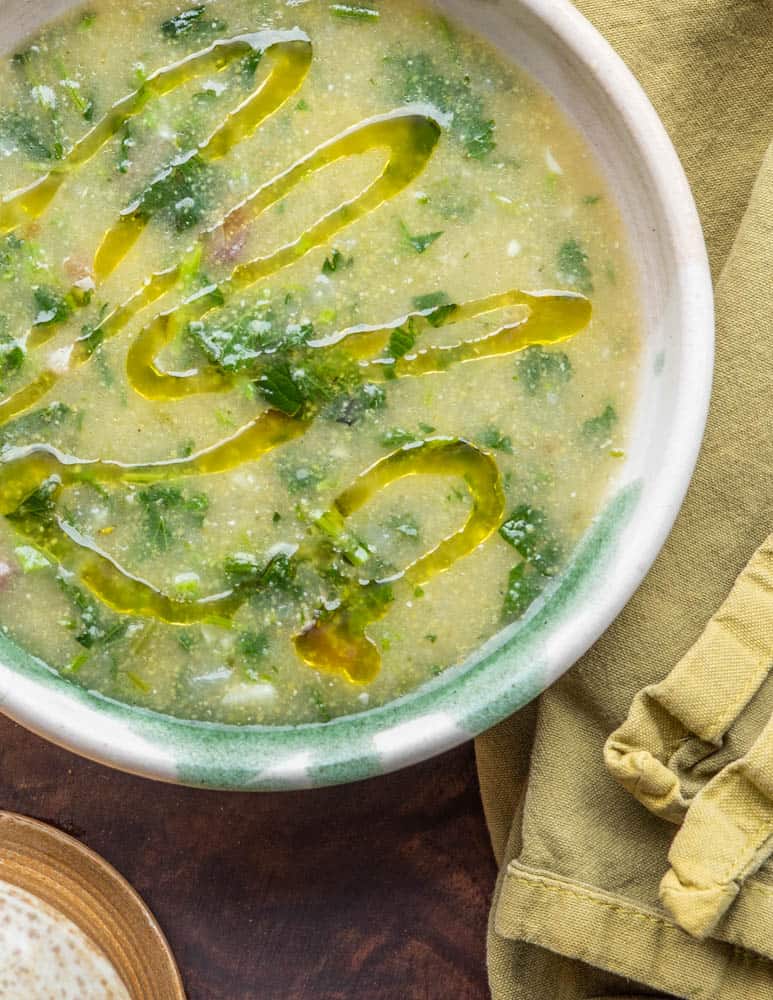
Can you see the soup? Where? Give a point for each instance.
(318, 339)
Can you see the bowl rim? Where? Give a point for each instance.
(432, 719)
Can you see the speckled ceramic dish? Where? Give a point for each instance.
(550, 40)
(71, 927)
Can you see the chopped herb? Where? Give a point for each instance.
(543, 371)
(186, 640)
(591, 199)
(431, 637)
(11, 354)
(164, 507)
(276, 517)
(430, 301)
(524, 585)
(248, 67)
(188, 22)
(51, 306)
(419, 243)
(599, 429)
(402, 340)
(245, 570)
(94, 627)
(181, 193)
(302, 105)
(336, 262)
(396, 437)
(253, 647)
(239, 341)
(493, 438)
(351, 409)
(528, 531)
(417, 77)
(278, 388)
(302, 478)
(24, 133)
(88, 18)
(572, 266)
(353, 13)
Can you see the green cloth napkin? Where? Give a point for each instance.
(631, 807)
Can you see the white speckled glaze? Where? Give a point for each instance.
(553, 42)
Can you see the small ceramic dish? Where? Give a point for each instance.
(554, 43)
(71, 926)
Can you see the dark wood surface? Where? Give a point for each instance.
(377, 890)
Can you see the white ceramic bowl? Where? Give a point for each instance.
(552, 41)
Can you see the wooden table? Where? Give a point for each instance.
(377, 890)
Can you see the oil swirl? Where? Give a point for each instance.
(337, 640)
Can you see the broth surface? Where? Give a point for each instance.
(375, 392)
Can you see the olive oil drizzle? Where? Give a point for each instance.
(410, 139)
(336, 641)
(28, 203)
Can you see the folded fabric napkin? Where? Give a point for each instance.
(631, 807)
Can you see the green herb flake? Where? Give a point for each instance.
(524, 585)
(51, 306)
(166, 510)
(419, 243)
(253, 647)
(401, 340)
(187, 22)
(495, 439)
(181, 193)
(543, 371)
(430, 301)
(528, 531)
(27, 135)
(94, 628)
(336, 262)
(350, 12)
(598, 430)
(396, 437)
(417, 77)
(572, 266)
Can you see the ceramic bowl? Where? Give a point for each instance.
(553, 42)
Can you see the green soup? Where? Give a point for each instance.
(317, 340)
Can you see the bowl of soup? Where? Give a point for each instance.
(354, 361)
